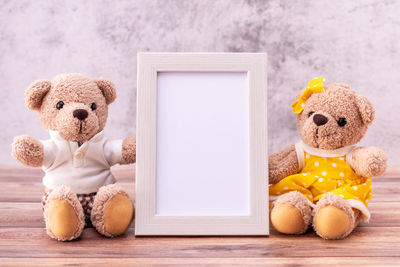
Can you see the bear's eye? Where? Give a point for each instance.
(60, 105)
(342, 122)
(93, 106)
(311, 113)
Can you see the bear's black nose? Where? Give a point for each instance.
(320, 119)
(81, 114)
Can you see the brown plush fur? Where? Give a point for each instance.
(282, 164)
(129, 150)
(64, 193)
(28, 151)
(76, 92)
(104, 195)
(334, 200)
(369, 161)
(35, 93)
(300, 202)
(337, 101)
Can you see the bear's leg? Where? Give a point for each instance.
(291, 213)
(334, 218)
(112, 211)
(63, 214)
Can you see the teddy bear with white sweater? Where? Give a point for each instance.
(80, 189)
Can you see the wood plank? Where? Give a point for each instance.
(126, 173)
(32, 191)
(392, 172)
(365, 241)
(276, 261)
(29, 214)
(23, 240)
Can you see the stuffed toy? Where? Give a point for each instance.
(80, 190)
(325, 179)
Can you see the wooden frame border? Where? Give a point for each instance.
(147, 223)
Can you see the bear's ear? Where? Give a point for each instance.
(108, 90)
(35, 93)
(366, 109)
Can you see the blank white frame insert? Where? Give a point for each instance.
(191, 178)
(201, 144)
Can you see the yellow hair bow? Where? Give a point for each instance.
(316, 85)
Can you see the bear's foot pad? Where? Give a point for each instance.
(62, 219)
(118, 214)
(331, 222)
(287, 219)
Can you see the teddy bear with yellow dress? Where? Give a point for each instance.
(325, 179)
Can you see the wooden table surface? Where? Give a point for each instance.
(23, 239)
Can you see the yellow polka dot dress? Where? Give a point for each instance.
(324, 171)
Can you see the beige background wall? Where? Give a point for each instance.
(356, 42)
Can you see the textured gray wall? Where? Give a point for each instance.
(356, 42)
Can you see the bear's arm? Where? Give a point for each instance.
(129, 150)
(282, 164)
(368, 161)
(28, 150)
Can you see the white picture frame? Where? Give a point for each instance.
(202, 165)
